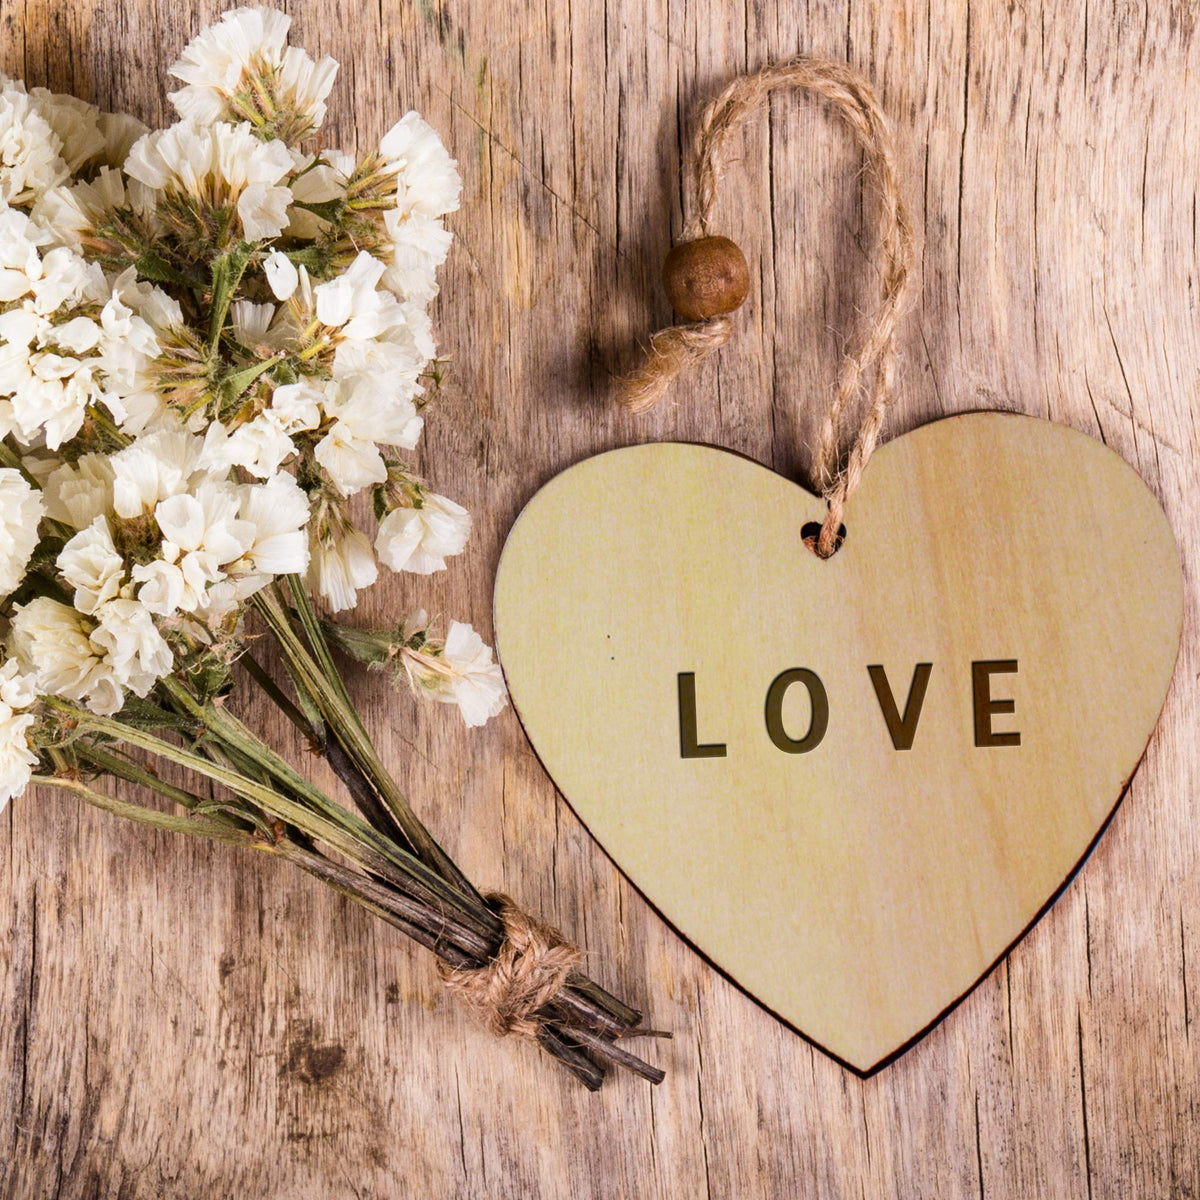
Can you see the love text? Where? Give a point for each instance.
(900, 726)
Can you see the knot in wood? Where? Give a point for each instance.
(528, 970)
(706, 278)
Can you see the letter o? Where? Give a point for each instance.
(820, 711)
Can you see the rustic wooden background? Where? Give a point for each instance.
(180, 1021)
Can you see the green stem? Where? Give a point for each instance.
(227, 271)
(132, 772)
(311, 811)
(410, 916)
(311, 623)
(315, 670)
(300, 720)
(351, 836)
(581, 1022)
(196, 826)
(230, 754)
(441, 891)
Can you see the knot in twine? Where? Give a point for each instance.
(527, 972)
(673, 350)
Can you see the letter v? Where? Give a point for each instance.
(902, 729)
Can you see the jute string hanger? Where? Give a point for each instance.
(706, 277)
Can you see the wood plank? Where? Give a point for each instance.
(165, 1008)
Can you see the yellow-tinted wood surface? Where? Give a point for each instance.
(176, 1020)
(857, 889)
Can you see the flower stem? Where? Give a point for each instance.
(314, 670)
(274, 809)
(324, 821)
(227, 271)
(261, 676)
(195, 825)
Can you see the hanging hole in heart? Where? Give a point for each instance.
(811, 530)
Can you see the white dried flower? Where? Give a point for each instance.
(278, 511)
(222, 599)
(45, 394)
(65, 214)
(213, 62)
(421, 539)
(79, 335)
(419, 246)
(242, 67)
(216, 166)
(427, 187)
(53, 645)
(77, 493)
(261, 446)
(17, 760)
(476, 686)
(427, 177)
(75, 123)
(156, 466)
(374, 405)
(20, 511)
(89, 562)
(251, 323)
(397, 353)
(71, 339)
(43, 276)
(222, 541)
(136, 651)
(459, 671)
(318, 181)
(164, 589)
(17, 690)
(202, 533)
(204, 523)
(297, 406)
(281, 274)
(120, 131)
(351, 461)
(352, 300)
(341, 563)
(368, 409)
(302, 85)
(30, 151)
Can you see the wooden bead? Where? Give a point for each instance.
(706, 278)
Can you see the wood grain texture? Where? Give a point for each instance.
(857, 889)
(178, 1021)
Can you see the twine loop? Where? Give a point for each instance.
(530, 968)
(673, 349)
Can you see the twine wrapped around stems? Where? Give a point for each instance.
(674, 349)
(529, 970)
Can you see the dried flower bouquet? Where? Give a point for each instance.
(212, 338)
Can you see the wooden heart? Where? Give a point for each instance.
(728, 713)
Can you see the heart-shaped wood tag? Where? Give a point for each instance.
(851, 783)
